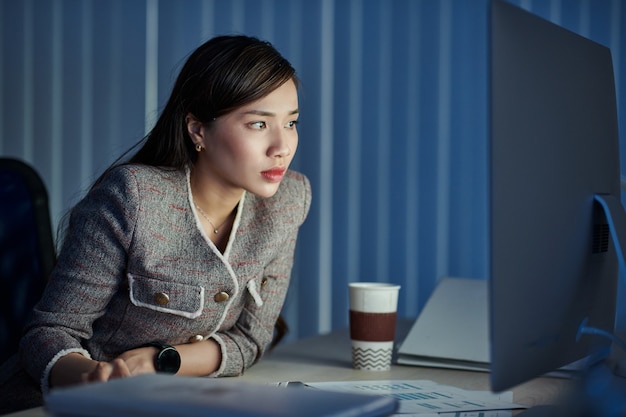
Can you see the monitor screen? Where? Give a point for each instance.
(553, 147)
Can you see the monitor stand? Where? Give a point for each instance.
(616, 217)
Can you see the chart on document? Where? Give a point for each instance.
(422, 397)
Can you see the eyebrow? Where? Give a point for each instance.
(267, 113)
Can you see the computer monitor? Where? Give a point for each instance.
(553, 149)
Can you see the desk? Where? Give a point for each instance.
(328, 358)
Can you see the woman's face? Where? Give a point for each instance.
(251, 147)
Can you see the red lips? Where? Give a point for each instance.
(275, 174)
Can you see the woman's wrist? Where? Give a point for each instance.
(199, 358)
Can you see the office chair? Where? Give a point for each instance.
(27, 252)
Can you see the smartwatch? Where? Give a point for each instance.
(167, 359)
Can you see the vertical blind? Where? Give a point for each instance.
(393, 131)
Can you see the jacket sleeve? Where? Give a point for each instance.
(88, 272)
(245, 343)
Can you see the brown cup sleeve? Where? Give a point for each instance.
(372, 327)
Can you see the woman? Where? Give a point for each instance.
(178, 260)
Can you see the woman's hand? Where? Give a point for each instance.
(139, 361)
(104, 371)
(75, 368)
(130, 363)
(198, 359)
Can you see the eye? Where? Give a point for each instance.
(292, 124)
(258, 125)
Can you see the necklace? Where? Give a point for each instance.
(216, 230)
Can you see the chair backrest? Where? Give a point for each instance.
(27, 251)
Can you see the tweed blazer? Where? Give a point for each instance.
(136, 267)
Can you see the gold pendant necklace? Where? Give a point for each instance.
(216, 230)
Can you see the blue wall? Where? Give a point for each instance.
(393, 131)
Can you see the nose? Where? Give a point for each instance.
(283, 143)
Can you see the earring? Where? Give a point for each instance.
(198, 147)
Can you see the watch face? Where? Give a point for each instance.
(168, 360)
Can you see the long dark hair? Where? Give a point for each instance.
(224, 73)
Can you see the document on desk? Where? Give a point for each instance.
(428, 398)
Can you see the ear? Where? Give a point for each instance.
(195, 128)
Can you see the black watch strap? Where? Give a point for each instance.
(167, 359)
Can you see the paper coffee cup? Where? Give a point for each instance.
(373, 307)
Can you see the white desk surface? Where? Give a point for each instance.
(328, 358)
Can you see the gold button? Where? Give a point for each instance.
(161, 298)
(196, 338)
(221, 296)
(263, 281)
